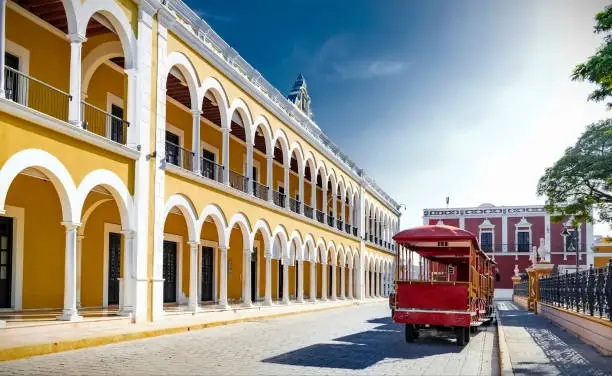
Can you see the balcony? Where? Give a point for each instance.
(308, 212)
(339, 224)
(103, 123)
(35, 94)
(260, 191)
(511, 247)
(294, 205)
(279, 198)
(330, 221)
(211, 170)
(238, 181)
(179, 156)
(347, 228)
(354, 231)
(320, 216)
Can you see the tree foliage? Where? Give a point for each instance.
(582, 179)
(598, 69)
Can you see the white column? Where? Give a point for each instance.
(351, 209)
(504, 236)
(129, 284)
(193, 276)
(333, 281)
(79, 254)
(313, 195)
(380, 281)
(300, 287)
(249, 168)
(286, 182)
(547, 233)
(246, 272)
(333, 203)
(324, 202)
(195, 143)
(285, 281)
(462, 223)
(74, 105)
(301, 191)
(269, 159)
(2, 45)
(324, 272)
(313, 281)
(351, 282)
(223, 278)
(268, 292)
(367, 283)
(69, 312)
(342, 282)
(225, 153)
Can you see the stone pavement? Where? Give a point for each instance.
(353, 340)
(539, 347)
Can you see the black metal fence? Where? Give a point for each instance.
(211, 170)
(522, 289)
(279, 198)
(320, 216)
(105, 124)
(587, 291)
(260, 191)
(179, 156)
(308, 211)
(238, 181)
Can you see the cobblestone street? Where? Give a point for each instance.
(356, 340)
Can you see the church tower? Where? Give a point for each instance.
(299, 96)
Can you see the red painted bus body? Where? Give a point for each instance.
(453, 288)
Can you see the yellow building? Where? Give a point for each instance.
(146, 168)
(602, 251)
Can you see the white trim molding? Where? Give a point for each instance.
(520, 226)
(18, 216)
(108, 228)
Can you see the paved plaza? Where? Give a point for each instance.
(355, 340)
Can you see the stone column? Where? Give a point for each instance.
(342, 282)
(225, 153)
(286, 182)
(79, 255)
(69, 312)
(246, 272)
(270, 175)
(366, 275)
(333, 281)
(249, 168)
(301, 192)
(268, 292)
(324, 202)
(2, 45)
(129, 284)
(313, 281)
(196, 148)
(193, 276)
(300, 287)
(313, 195)
(324, 281)
(285, 281)
(350, 285)
(74, 105)
(223, 277)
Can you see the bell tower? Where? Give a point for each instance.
(299, 96)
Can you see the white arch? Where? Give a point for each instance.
(331, 251)
(112, 183)
(310, 162)
(117, 17)
(281, 138)
(340, 256)
(96, 57)
(281, 233)
(213, 211)
(262, 122)
(185, 206)
(296, 239)
(238, 105)
(71, 15)
(87, 213)
(309, 248)
(52, 168)
(214, 86)
(245, 228)
(321, 251)
(185, 66)
(266, 233)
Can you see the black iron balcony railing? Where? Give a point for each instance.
(260, 191)
(211, 170)
(105, 124)
(279, 198)
(179, 156)
(376, 240)
(330, 220)
(347, 228)
(587, 291)
(339, 224)
(521, 289)
(354, 231)
(238, 181)
(35, 94)
(308, 212)
(294, 205)
(320, 216)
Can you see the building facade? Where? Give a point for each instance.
(147, 168)
(510, 233)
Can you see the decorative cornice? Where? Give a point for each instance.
(200, 36)
(492, 211)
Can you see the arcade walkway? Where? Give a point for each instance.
(540, 347)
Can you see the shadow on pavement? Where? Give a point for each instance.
(364, 349)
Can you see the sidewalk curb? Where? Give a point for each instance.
(505, 364)
(60, 346)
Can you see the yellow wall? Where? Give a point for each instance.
(606, 247)
(234, 262)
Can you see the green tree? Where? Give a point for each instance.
(598, 69)
(582, 179)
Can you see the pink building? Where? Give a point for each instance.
(509, 233)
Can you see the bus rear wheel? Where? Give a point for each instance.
(410, 333)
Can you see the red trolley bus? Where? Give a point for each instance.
(452, 290)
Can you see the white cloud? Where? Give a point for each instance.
(368, 69)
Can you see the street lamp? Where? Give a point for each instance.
(572, 238)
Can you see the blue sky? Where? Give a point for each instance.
(467, 99)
